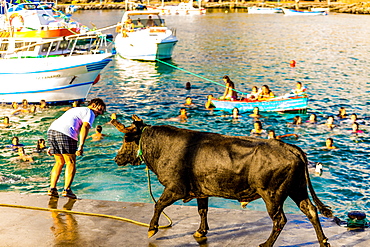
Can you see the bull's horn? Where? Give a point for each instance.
(136, 118)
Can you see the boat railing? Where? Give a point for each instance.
(64, 46)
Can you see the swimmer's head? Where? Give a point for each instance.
(15, 140)
(99, 128)
(257, 125)
(6, 120)
(256, 110)
(353, 117)
(313, 117)
(271, 134)
(329, 142)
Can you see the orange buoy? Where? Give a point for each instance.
(292, 63)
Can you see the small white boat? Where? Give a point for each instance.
(298, 12)
(181, 9)
(142, 35)
(263, 10)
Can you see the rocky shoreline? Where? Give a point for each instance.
(355, 8)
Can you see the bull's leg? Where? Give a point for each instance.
(310, 211)
(275, 210)
(167, 198)
(202, 210)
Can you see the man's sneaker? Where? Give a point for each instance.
(68, 193)
(53, 192)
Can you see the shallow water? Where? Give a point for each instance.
(332, 61)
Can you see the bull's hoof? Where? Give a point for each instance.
(200, 234)
(151, 233)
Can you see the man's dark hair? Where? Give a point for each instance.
(97, 101)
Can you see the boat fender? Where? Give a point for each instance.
(118, 27)
(356, 219)
(96, 79)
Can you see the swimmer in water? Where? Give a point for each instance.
(22, 156)
(15, 143)
(271, 135)
(342, 113)
(188, 101)
(98, 135)
(256, 113)
(32, 109)
(6, 123)
(40, 146)
(330, 123)
(329, 143)
(258, 130)
(355, 128)
(312, 119)
(297, 120)
(209, 105)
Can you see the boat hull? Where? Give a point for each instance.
(296, 12)
(62, 79)
(260, 10)
(149, 50)
(275, 105)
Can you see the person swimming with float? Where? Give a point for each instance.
(271, 135)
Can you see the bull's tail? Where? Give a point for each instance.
(324, 210)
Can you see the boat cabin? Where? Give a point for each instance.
(144, 17)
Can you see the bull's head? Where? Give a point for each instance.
(127, 154)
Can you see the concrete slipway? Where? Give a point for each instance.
(26, 227)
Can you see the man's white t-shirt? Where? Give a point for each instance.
(71, 121)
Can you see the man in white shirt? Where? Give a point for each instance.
(63, 137)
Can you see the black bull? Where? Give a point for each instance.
(192, 164)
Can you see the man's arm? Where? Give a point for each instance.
(84, 131)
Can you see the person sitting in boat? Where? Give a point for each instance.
(266, 93)
(209, 104)
(258, 130)
(254, 94)
(139, 24)
(129, 24)
(150, 22)
(299, 89)
(230, 93)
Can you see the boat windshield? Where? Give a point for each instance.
(144, 20)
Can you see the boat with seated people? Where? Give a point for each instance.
(276, 104)
(181, 9)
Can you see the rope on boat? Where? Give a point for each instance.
(186, 71)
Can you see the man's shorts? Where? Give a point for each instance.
(60, 143)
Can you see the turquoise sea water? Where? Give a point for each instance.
(332, 61)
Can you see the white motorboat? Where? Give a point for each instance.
(142, 35)
(180, 9)
(47, 59)
(298, 12)
(264, 10)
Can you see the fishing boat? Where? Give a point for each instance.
(298, 12)
(277, 104)
(180, 9)
(142, 35)
(264, 10)
(46, 58)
